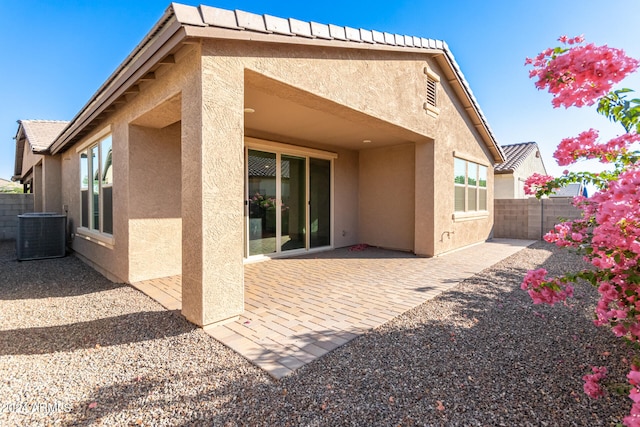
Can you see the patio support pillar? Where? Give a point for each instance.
(425, 190)
(212, 197)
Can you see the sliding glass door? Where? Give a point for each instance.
(293, 212)
(261, 183)
(319, 202)
(289, 202)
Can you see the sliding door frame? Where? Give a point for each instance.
(280, 149)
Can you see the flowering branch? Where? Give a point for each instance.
(608, 233)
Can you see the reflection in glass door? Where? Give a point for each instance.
(294, 209)
(262, 202)
(288, 204)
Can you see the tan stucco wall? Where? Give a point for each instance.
(32, 169)
(213, 194)
(113, 259)
(37, 187)
(346, 189)
(365, 81)
(387, 197)
(456, 134)
(52, 184)
(155, 224)
(29, 159)
(389, 86)
(505, 186)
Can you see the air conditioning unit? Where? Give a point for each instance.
(41, 235)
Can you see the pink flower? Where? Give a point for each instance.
(581, 74)
(535, 182)
(571, 149)
(634, 376)
(592, 382)
(543, 290)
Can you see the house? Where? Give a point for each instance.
(523, 160)
(571, 190)
(227, 137)
(38, 172)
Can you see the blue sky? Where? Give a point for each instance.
(57, 54)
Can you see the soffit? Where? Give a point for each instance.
(289, 114)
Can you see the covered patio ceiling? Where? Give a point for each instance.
(283, 113)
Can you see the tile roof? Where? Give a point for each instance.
(570, 190)
(516, 155)
(264, 166)
(207, 16)
(42, 133)
(193, 21)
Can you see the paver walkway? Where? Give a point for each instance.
(297, 309)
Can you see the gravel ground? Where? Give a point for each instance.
(76, 349)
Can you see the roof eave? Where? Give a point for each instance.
(180, 22)
(162, 38)
(473, 109)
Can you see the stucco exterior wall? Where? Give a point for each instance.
(51, 184)
(213, 194)
(112, 258)
(505, 186)
(45, 173)
(392, 90)
(511, 186)
(456, 136)
(386, 85)
(346, 209)
(155, 224)
(37, 187)
(387, 197)
(29, 159)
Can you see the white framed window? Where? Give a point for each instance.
(470, 186)
(96, 186)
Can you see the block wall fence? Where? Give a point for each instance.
(12, 205)
(530, 218)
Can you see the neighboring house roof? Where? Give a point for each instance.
(181, 22)
(40, 134)
(516, 154)
(570, 190)
(263, 166)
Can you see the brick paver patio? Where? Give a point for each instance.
(297, 309)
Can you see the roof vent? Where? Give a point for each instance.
(431, 104)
